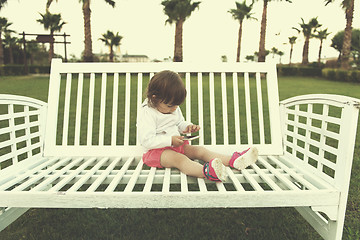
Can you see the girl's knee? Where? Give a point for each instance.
(170, 158)
(195, 152)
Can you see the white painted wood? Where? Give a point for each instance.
(78, 109)
(71, 176)
(91, 109)
(127, 109)
(166, 182)
(224, 108)
(236, 108)
(119, 175)
(102, 109)
(212, 108)
(139, 99)
(149, 180)
(248, 109)
(9, 215)
(201, 108)
(260, 108)
(131, 184)
(208, 199)
(115, 108)
(66, 109)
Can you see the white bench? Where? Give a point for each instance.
(80, 150)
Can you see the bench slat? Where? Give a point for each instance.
(58, 186)
(260, 108)
(236, 109)
(119, 175)
(103, 175)
(131, 184)
(200, 108)
(248, 109)
(49, 180)
(78, 109)
(139, 98)
(212, 108)
(102, 109)
(279, 176)
(224, 108)
(91, 109)
(149, 180)
(19, 178)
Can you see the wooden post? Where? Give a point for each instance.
(65, 47)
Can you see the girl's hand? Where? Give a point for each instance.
(177, 141)
(192, 128)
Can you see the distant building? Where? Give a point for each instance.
(134, 58)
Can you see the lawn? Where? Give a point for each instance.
(284, 223)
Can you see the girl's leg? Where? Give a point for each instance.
(198, 152)
(170, 158)
(239, 160)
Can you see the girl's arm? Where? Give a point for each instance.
(146, 126)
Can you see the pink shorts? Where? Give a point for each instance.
(152, 157)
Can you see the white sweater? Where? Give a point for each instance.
(155, 129)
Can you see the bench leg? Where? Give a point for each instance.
(328, 229)
(9, 215)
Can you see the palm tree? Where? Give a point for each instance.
(308, 29)
(280, 53)
(111, 40)
(54, 23)
(10, 42)
(292, 41)
(274, 51)
(178, 11)
(2, 3)
(88, 54)
(4, 24)
(262, 51)
(348, 6)
(321, 35)
(241, 12)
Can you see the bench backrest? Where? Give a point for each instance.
(92, 107)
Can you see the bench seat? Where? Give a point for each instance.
(107, 182)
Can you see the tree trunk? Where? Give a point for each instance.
(178, 48)
(349, 13)
(305, 57)
(320, 49)
(88, 54)
(291, 52)
(51, 50)
(111, 56)
(262, 53)
(1, 51)
(239, 42)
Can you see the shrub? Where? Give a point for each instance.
(341, 75)
(12, 70)
(299, 70)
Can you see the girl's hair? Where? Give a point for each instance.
(167, 87)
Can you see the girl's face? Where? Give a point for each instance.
(166, 108)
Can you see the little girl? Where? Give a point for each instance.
(160, 125)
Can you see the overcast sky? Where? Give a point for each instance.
(209, 33)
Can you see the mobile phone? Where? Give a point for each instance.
(190, 138)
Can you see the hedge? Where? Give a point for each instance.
(7, 70)
(298, 71)
(341, 75)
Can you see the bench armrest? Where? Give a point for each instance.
(319, 132)
(22, 125)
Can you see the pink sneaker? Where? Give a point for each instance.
(241, 160)
(215, 170)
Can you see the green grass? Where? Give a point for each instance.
(269, 223)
